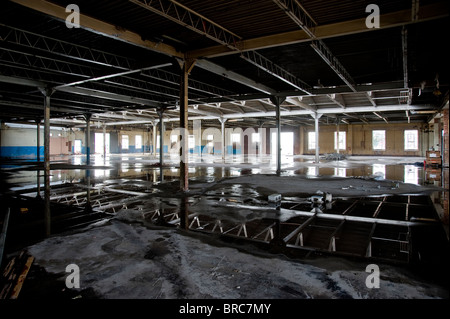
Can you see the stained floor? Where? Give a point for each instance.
(380, 210)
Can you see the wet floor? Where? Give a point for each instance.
(140, 171)
(210, 168)
(20, 175)
(132, 188)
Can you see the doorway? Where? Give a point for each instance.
(77, 147)
(99, 143)
(287, 143)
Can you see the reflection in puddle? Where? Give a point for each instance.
(379, 170)
(340, 171)
(405, 173)
(211, 168)
(411, 174)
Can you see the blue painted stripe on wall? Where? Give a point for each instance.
(165, 149)
(21, 151)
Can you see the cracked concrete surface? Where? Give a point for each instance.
(127, 260)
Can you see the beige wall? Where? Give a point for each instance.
(359, 139)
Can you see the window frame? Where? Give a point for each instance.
(384, 140)
(311, 140)
(406, 143)
(125, 146)
(136, 137)
(336, 140)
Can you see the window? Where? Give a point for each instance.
(411, 174)
(210, 140)
(379, 140)
(255, 137)
(311, 140)
(236, 138)
(342, 138)
(124, 142)
(411, 140)
(138, 142)
(379, 170)
(191, 141)
(340, 171)
(77, 147)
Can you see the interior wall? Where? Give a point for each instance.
(445, 128)
(359, 139)
(21, 142)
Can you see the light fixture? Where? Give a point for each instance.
(423, 112)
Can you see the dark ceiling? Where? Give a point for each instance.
(38, 51)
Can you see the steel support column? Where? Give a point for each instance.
(160, 112)
(1, 127)
(88, 207)
(47, 213)
(337, 134)
(38, 157)
(104, 143)
(316, 117)
(222, 131)
(405, 56)
(197, 132)
(154, 137)
(186, 67)
(277, 102)
(38, 140)
(88, 138)
(278, 139)
(184, 212)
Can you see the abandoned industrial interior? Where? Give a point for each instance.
(227, 149)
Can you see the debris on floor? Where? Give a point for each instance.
(334, 157)
(14, 275)
(122, 260)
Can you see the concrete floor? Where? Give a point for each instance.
(125, 256)
(127, 260)
(72, 168)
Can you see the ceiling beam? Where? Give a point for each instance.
(356, 117)
(30, 106)
(349, 110)
(20, 81)
(275, 70)
(190, 19)
(325, 53)
(303, 19)
(301, 104)
(109, 96)
(217, 69)
(109, 76)
(196, 22)
(109, 30)
(393, 85)
(389, 20)
(101, 27)
(370, 96)
(381, 117)
(337, 99)
(62, 48)
(405, 56)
